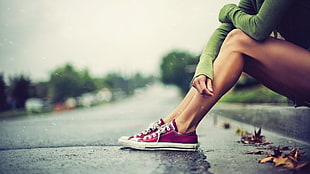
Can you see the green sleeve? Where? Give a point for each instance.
(257, 25)
(210, 52)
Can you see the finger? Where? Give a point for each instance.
(199, 89)
(203, 87)
(209, 85)
(207, 92)
(200, 85)
(196, 85)
(209, 89)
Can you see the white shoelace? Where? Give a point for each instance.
(163, 129)
(152, 126)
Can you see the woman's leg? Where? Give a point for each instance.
(278, 64)
(227, 69)
(187, 102)
(285, 70)
(180, 108)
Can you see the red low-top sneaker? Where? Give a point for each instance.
(167, 138)
(153, 127)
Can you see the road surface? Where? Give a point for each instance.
(85, 141)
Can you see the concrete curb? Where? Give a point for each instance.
(285, 120)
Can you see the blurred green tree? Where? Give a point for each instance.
(67, 82)
(41, 90)
(140, 81)
(177, 68)
(19, 90)
(88, 83)
(127, 84)
(115, 81)
(3, 104)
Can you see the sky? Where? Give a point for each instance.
(126, 36)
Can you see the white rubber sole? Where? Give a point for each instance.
(123, 141)
(163, 146)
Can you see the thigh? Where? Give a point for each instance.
(280, 65)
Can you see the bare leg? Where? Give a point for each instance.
(285, 70)
(187, 102)
(279, 65)
(180, 108)
(227, 70)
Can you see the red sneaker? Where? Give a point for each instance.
(153, 127)
(167, 138)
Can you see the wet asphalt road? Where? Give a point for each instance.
(85, 141)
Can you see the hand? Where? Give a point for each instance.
(203, 85)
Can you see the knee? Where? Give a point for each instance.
(237, 40)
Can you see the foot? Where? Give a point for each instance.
(167, 138)
(153, 127)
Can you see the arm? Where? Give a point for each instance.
(259, 25)
(214, 44)
(204, 71)
(211, 50)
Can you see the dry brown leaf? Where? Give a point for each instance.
(289, 161)
(295, 165)
(255, 139)
(264, 160)
(241, 132)
(301, 165)
(295, 154)
(281, 161)
(277, 152)
(255, 152)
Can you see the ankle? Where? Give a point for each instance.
(184, 127)
(166, 120)
(169, 118)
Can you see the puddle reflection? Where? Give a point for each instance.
(179, 162)
(182, 162)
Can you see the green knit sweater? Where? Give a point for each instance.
(258, 18)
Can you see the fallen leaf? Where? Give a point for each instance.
(301, 165)
(295, 154)
(256, 138)
(265, 143)
(257, 134)
(241, 132)
(282, 161)
(289, 160)
(277, 152)
(264, 160)
(255, 152)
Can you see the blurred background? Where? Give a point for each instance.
(61, 55)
